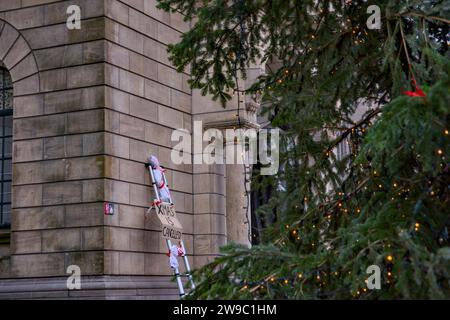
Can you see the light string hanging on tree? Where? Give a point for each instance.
(238, 4)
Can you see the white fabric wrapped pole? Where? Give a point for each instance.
(163, 190)
(175, 252)
(173, 261)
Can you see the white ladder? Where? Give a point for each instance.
(155, 206)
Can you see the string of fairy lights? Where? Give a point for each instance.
(319, 278)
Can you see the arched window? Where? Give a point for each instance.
(6, 126)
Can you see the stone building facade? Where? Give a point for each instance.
(89, 107)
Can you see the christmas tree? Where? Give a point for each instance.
(385, 202)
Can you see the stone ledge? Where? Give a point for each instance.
(92, 287)
(231, 124)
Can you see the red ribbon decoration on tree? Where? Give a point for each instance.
(417, 91)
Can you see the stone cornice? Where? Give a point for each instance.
(231, 124)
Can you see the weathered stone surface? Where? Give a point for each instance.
(54, 147)
(208, 244)
(117, 100)
(112, 75)
(137, 240)
(182, 181)
(53, 80)
(112, 30)
(111, 262)
(112, 167)
(88, 75)
(26, 242)
(112, 121)
(117, 191)
(29, 85)
(132, 127)
(9, 5)
(151, 10)
(38, 218)
(167, 35)
(180, 100)
(92, 238)
(202, 203)
(25, 68)
(206, 183)
(157, 134)
(93, 190)
(151, 49)
(85, 121)
(7, 39)
(170, 117)
(18, 51)
(131, 263)
(117, 145)
(210, 224)
(170, 77)
(61, 240)
(81, 215)
(137, 4)
(30, 3)
(59, 34)
(93, 143)
(27, 196)
(187, 221)
(96, 287)
(156, 264)
(139, 195)
(157, 92)
(202, 183)
(200, 261)
(143, 23)
(118, 55)
(218, 203)
(177, 22)
(144, 66)
(132, 171)
(90, 262)
(140, 151)
(28, 150)
(131, 39)
(131, 216)
(143, 109)
(131, 82)
(94, 51)
(117, 11)
(39, 172)
(117, 238)
(28, 106)
(37, 265)
(62, 193)
(84, 168)
(63, 146)
(59, 57)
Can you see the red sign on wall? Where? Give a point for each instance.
(109, 208)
